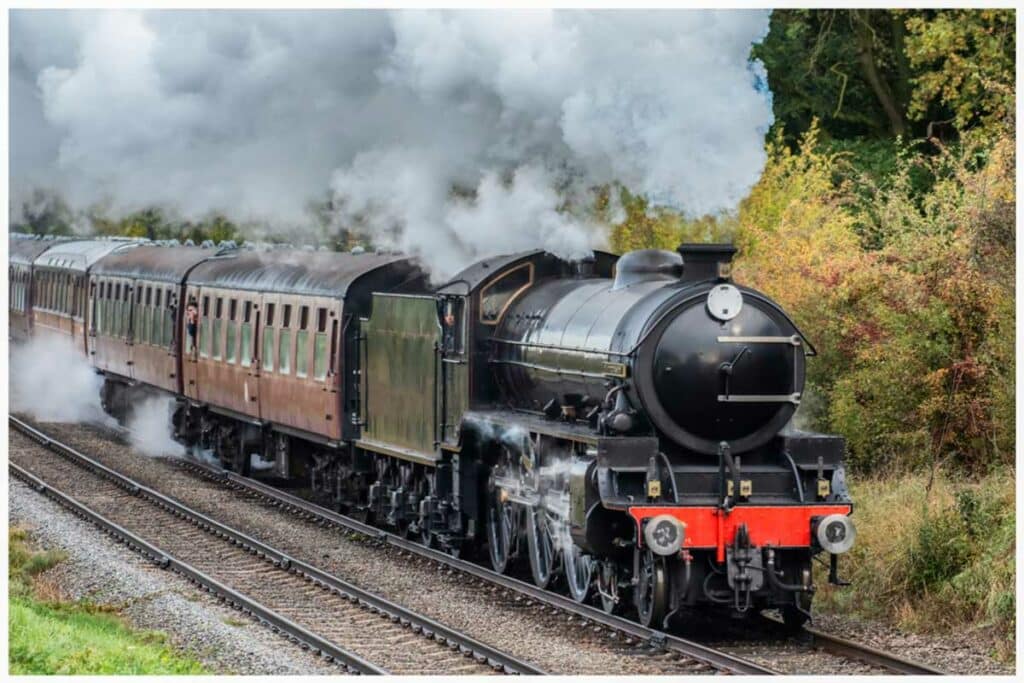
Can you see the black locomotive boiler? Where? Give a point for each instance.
(614, 427)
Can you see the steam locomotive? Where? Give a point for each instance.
(615, 427)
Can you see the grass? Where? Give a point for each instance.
(933, 561)
(51, 635)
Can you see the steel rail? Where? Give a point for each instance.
(279, 624)
(429, 627)
(869, 655)
(722, 661)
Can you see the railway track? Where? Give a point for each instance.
(830, 644)
(841, 647)
(721, 660)
(355, 628)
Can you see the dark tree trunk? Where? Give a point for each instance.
(866, 54)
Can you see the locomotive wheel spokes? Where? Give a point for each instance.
(652, 590)
(608, 587)
(501, 530)
(578, 570)
(542, 547)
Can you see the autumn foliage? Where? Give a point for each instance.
(907, 293)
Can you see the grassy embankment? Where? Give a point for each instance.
(50, 635)
(933, 561)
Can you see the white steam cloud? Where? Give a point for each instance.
(51, 381)
(449, 135)
(152, 428)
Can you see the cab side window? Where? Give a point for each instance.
(496, 297)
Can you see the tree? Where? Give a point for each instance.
(44, 213)
(964, 65)
(889, 73)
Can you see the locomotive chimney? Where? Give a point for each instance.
(706, 261)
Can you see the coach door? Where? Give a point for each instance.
(189, 335)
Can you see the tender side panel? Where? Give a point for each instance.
(401, 369)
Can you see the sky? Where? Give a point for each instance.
(446, 134)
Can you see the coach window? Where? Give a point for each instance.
(144, 315)
(157, 312)
(159, 316)
(79, 296)
(268, 340)
(320, 346)
(230, 343)
(111, 307)
(302, 344)
(126, 309)
(204, 330)
(108, 310)
(168, 316)
(97, 306)
(284, 342)
(218, 326)
(118, 311)
(100, 306)
(245, 352)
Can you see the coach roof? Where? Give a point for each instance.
(25, 249)
(152, 262)
(292, 271)
(78, 255)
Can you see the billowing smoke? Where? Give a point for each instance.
(51, 381)
(152, 429)
(446, 134)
